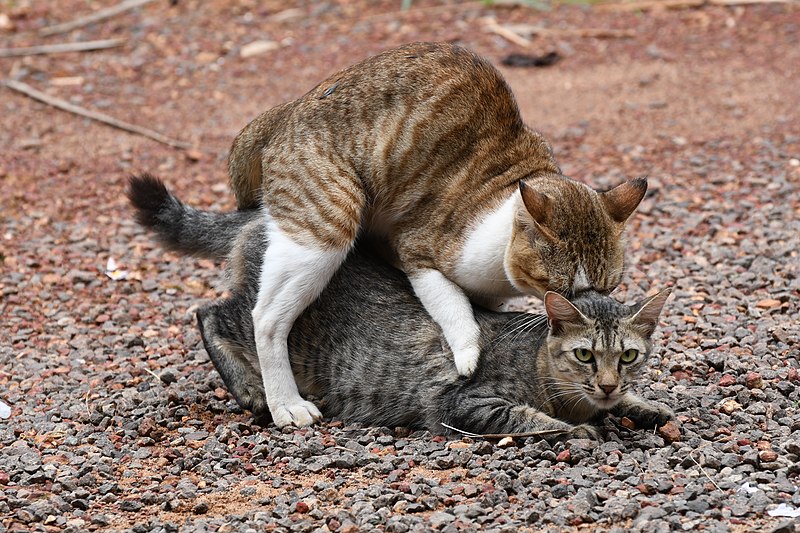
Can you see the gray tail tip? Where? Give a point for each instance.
(148, 195)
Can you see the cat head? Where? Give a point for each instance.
(569, 237)
(596, 346)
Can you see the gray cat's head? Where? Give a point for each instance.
(596, 346)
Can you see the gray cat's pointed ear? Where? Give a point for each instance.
(622, 200)
(649, 310)
(561, 312)
(539, 208)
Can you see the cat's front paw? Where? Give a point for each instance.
(466, 360)
(298, 413)
(649, 415)
(584, 431)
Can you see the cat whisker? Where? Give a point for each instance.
(521, 325)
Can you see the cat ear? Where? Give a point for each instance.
(561, 312)
(649, 310)
(538, 206)
(622, 200)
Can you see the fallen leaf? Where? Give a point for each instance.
(505, 442)
(730, 405)
(257, 48)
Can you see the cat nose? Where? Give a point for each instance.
(608, 389)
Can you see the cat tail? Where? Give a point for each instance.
(182, 228)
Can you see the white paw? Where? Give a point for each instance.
(466, 360)
(298, 413)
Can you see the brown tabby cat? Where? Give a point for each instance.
(424, 147)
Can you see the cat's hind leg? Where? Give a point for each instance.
(292, 276)
(227, 330)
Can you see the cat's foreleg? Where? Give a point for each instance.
(483, 415)
(644, 413)
(292, 276)
(451, 309)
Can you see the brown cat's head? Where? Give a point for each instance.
(597, 346)
(568, 237)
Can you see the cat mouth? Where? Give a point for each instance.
(605, 402)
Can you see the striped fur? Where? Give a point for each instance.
(370, 352)
(419, 145)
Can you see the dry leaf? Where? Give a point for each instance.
(258, 47)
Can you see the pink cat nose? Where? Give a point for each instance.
(608, 389)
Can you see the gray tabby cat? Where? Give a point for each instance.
(371, 353)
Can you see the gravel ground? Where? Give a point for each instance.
(119, 423)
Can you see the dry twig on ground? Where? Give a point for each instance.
(27, 90)
(649, 5)
(84, 46)
(519, 33)
(94, 17)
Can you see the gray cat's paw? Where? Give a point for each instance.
(584, 431)
(649, 415)
(252, 398)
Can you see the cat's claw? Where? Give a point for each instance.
(466, 361)
(301, 413)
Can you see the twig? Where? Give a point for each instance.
(158, 379)
(83, 46)
(494, 436)
(648, 5)
(638, 466)
(97, 16)
(518, 33)
(703, 470)
(27, 90)
(345, 449)
(493, 27)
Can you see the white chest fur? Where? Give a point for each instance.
(480, 269)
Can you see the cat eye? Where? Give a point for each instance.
(583, 355)
(629, 356)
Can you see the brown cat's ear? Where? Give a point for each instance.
(538, 206)
(649, 310)
(561, 312)
(622, 200)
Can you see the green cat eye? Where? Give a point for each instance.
(629, 356)
(583, 355)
